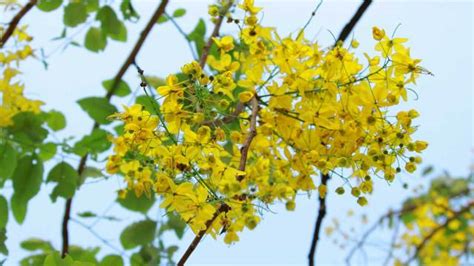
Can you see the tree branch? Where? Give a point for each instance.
(324, 178)
(352, 23)
(319, 222)
(244, 150)
(200, 235)
(215, 33)
(425, 240)
(14, 22)
(129, 61)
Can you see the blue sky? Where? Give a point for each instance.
(440, 32)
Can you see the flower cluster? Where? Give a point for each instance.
(269, 116)
(12, 99)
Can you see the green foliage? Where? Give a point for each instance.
(3, 212)
(121, 90)
(96, 40)
(94, 143)
(108, 20)
(179, 12)
(121, 36)
(197, 36)
(75, 13)
(47, 151)
(92, 5)
(66, 178)
(98, 108)
(147, 255)
(138, 204)
(174, 223)
(28, 129)
(56, 120)
(49, 5)
(138, 234)
(111, 260)
(128, 11)
(3, 238)
(35, 244)
(7, 161)
(27, 181)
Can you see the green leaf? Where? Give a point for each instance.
(197, 36)
(92, 172)
(47, 151)
(54, 259)
(67, 181)
(162, 19)
(111, 260)
(27, 128)
(95, 40)
(33, 244)
(121, 36)
(155, 82)
(87, 214)
(177, 224)
(83, 256)
(98, 108)
(33, 260)
(3, 238)
(56, 120)
(128, 11)
(179, 12)
(49, 5)
(146, 102)
(138, 234)
(171, 250)
(140, 204)
(7, 161)
(27, 181)
(94, 143)
(19, 208)
(121, 90)
(92, 5)
(3, 212)
(75, 13)
(108, 20)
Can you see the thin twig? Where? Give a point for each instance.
(215, 33)
(129, 61)
(244, 150)
(352, 23)
(200, 235)
(319, 222)
(324, 178)
(14, 22)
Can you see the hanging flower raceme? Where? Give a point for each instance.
(269, 116)
(12, 98)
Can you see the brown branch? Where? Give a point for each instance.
(14, 22)
(244, 150)
(352, 23)
(215, 33)
(200, 235)
(425, 241)
(128, 62)
(319, 222)
(243, 160)
(324, 178)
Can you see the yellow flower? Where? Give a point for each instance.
(225, 44)
(377, 33)
(245, 96)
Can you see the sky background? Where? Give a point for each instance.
(439, 32)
